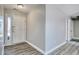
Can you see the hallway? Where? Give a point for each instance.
(45, 26)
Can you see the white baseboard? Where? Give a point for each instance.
(55, 48)
(37, 48)
(14, 43)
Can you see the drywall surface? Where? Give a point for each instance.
(55, 27)
(36, 27)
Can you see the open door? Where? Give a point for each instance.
(19, 29)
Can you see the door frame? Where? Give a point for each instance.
(69, 29)
(6, 18)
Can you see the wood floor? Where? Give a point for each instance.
(20, 49)
(71, 48)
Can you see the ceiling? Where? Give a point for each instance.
(68, 9)
(27, 7)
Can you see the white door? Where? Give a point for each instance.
(19, 28)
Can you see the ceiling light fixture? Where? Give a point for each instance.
(20, 5)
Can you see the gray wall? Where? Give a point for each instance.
(55, 27)
(36, 27)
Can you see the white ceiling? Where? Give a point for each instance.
(68, 9)
(27, 7)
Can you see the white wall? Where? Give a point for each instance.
(55, 27)
(36, 27)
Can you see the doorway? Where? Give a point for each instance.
(69, 29)
(8, 40)
(73, 29)
(15, 29)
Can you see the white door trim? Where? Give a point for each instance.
(69, 29)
